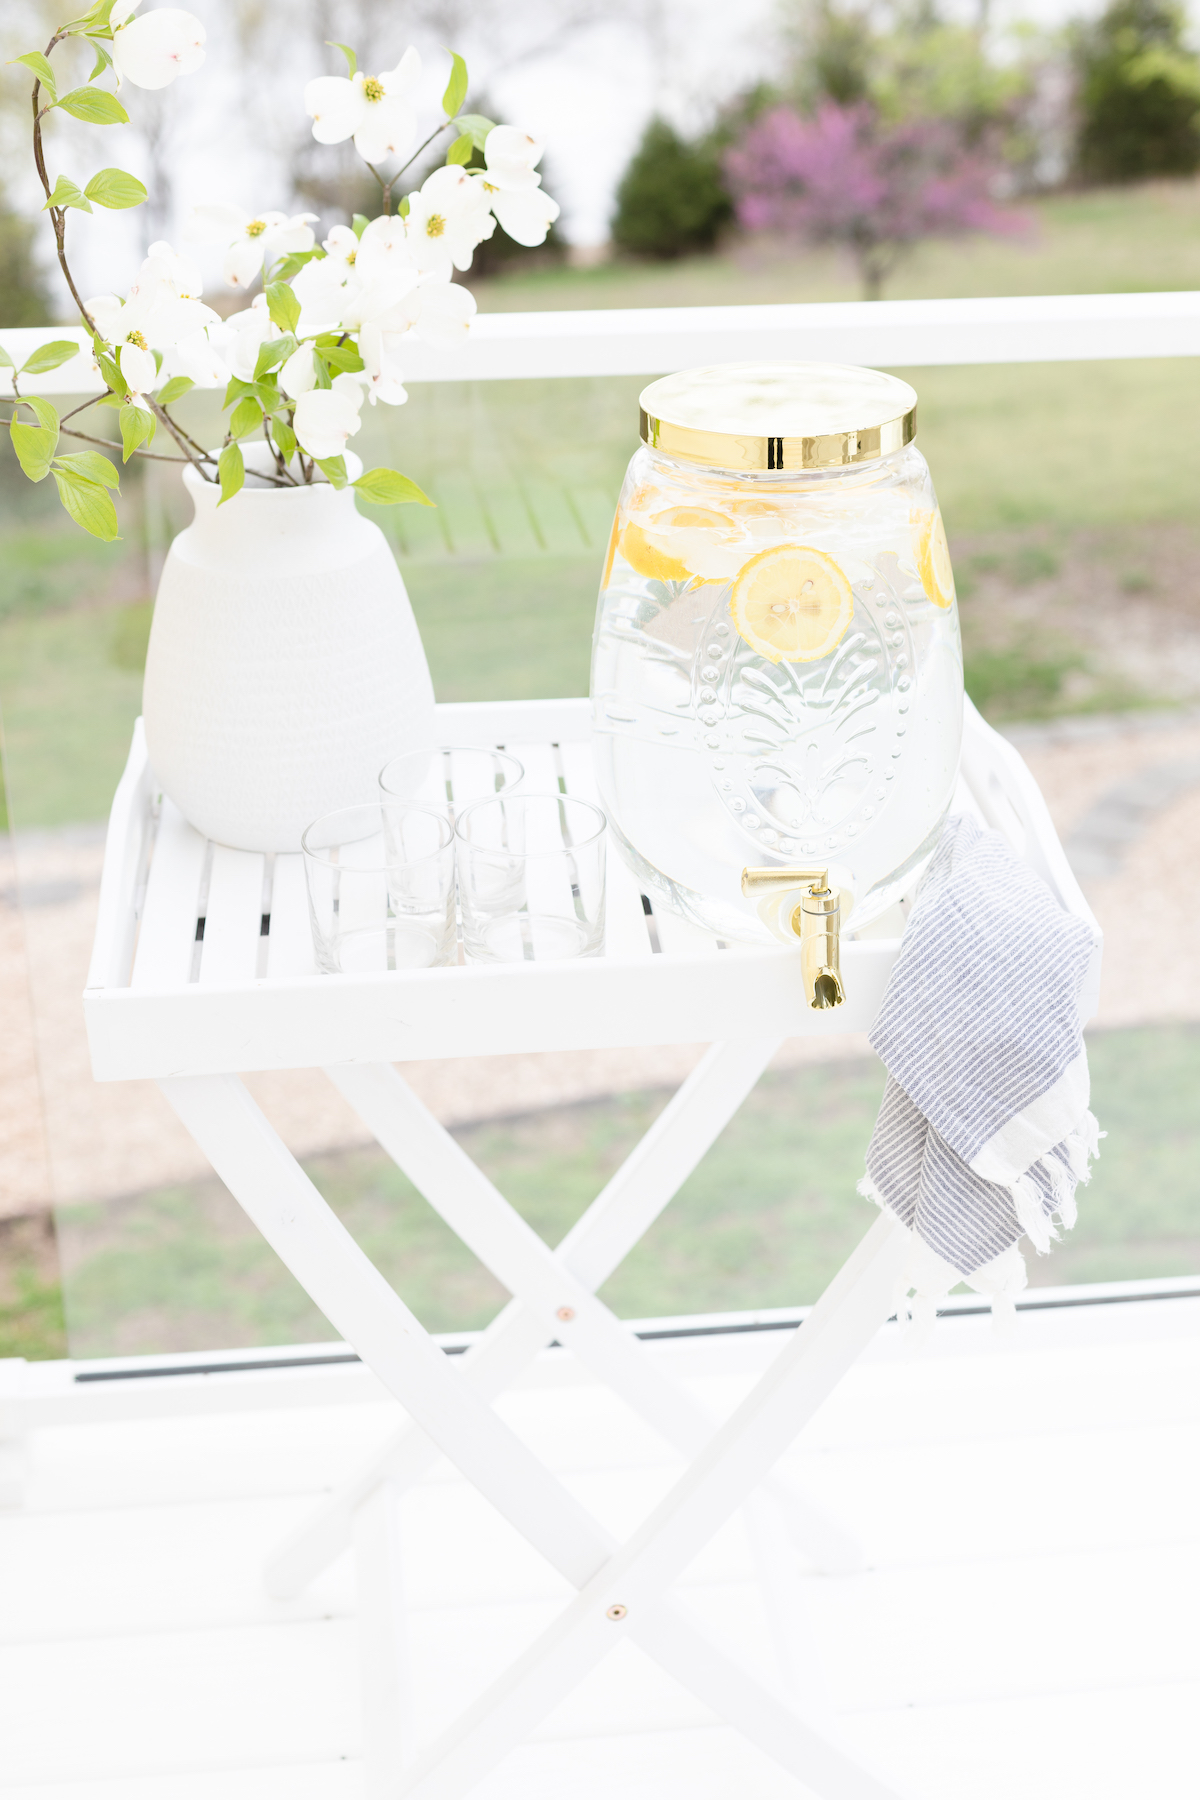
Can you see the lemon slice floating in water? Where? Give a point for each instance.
(646, 548)
(792, 603)
(933, 557)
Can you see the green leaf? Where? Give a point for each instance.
(456, 87)
(108, 368)
(270, 355)
(103, 61)
(47, 415)
(6, 361)
(285, 439)
(115, 189)
(110, 399)
(50, 356)
(360, 222)
(95, 19)
(247, 417)
(387, 487)
(321, 370)
(35, 447)
(476, 127)
(341, 358)
(88, 504)
(347, 52)
(67, 194)
(287, 266)
(462, 149)
(231, 471)
(175, 389)
(237, 389)
(33, 59)
(95, 105)
(282, 305)
(333, 468)
(137, 427)
(402, 206)
(92, 466)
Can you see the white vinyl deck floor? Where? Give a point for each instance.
(1028, 1622)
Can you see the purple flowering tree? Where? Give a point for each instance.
(847, 177)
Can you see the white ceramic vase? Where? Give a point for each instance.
(285, 666)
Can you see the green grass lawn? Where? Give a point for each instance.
(1109, 241)
(764, 1221)
(503, 576)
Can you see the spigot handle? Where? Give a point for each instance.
(776, 881)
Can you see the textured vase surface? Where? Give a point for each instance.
(285, 666)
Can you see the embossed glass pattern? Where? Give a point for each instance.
(776, 678)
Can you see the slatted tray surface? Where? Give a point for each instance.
(204, 961)
(1025, 1624)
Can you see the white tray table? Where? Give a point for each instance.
(203, 969)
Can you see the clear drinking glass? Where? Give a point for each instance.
(381, 888)
(531, 878)
(449, 777)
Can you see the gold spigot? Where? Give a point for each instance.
(817, 922)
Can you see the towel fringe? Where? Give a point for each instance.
(1061, 1170)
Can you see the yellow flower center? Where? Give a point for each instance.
(351, 258)
(490, 188)
(372, 89)
(256, 227)
(136, 339)
(435, 225)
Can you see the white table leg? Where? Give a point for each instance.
(257, 1167)
(521, 1261)
(634, 1580)
(592, 1249)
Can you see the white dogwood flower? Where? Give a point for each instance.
(341, 246)
(323, 287)
(526, 214)
(248, 332)
(438, 311)
(512, 185)
(325, 418)
(375, 110)
(200, 357)
(447, 219)
(381, 367)
(512, 157)
(154, 316)
(253, 238)
(299, 373)
(384, 271)
(175, 271)
(153, 50)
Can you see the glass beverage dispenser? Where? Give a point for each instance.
(777, 673)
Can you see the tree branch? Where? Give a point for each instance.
(58, 216)
(111, 444)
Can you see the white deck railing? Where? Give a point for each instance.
(881, 334)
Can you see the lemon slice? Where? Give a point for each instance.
(650, 549)
(792, 603)
(933, 557)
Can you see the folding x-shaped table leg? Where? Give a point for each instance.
(554, 1290)
(621, 1589)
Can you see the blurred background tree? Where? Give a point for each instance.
(23, 298)
(877, 186)
(672, 200)
(1138, 94)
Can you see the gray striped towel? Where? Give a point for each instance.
(984, 1130)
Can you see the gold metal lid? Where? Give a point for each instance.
(778, 415)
